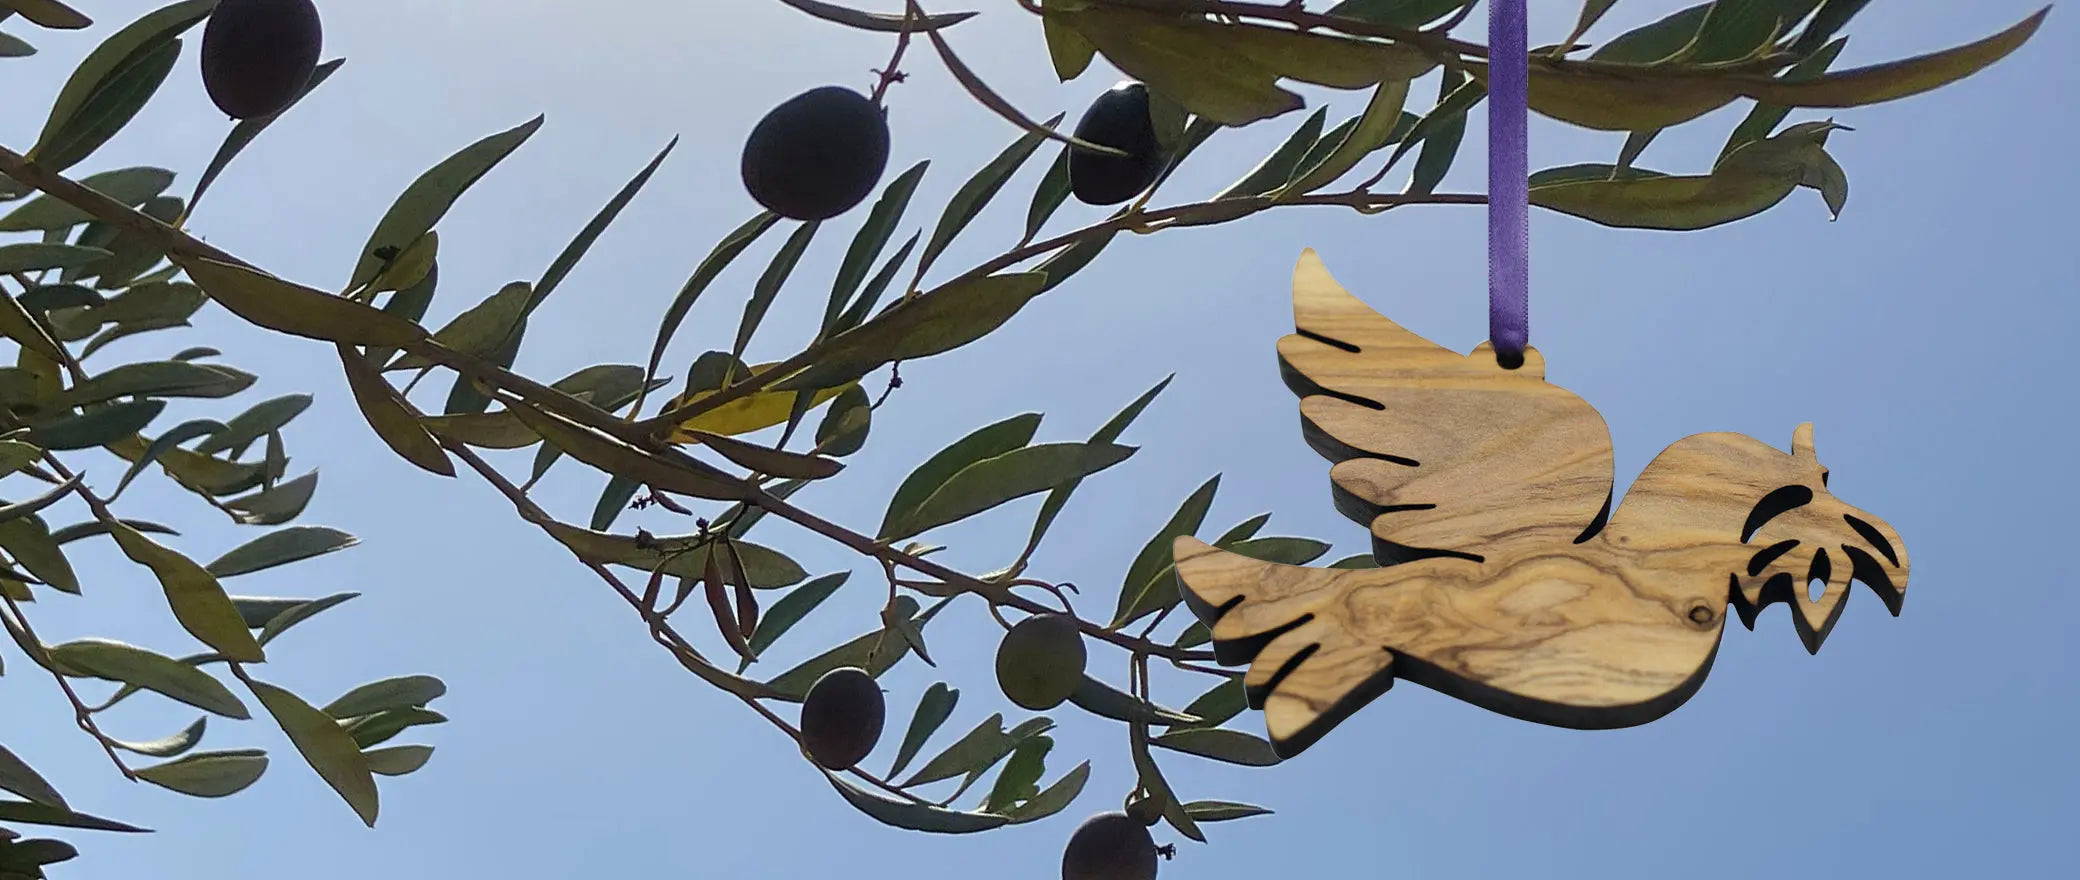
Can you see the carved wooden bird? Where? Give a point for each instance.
(1507, 580)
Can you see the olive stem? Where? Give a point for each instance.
(81, 715)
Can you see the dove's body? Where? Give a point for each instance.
(1511, 584)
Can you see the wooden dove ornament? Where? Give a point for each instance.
(1507, 578)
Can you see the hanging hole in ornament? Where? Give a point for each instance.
(1509, 360)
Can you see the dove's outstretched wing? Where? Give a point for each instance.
(1430, 445)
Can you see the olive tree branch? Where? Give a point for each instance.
(1180, 216)
(81, 715)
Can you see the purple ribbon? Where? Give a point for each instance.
(1509, 189)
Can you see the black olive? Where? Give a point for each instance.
(817, 155)
(842, 717)
(258, 55)
(1118, 119)
(1110, 846)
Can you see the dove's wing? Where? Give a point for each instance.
(1440, 453)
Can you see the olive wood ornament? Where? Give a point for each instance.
(1507, 580)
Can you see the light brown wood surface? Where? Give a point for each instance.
(1507, 579)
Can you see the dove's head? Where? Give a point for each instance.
(1808, 546)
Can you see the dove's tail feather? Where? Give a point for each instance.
(1307, 671)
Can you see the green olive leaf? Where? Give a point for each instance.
(208, 774)
(129, 664)
(113, 82)
(910, 815)
(1099, 698)
(280, 547)
(196, 598)
(948, 317)
(1231, 746)
(875, 21)
(18, 777)
(1054, 798)
(933, 709)
(1058, 498)
(246, 130)
(986, 442)
(129, 187)
(404, 692)
(1222, 811)
(791, 608)
(297, 310)
(428, 199)
(1001, 479)
(1145, 590)
(325, 745)
(397, 760)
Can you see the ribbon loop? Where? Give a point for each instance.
(1509, 187)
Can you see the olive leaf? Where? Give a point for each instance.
(168, 747)
(973, 195)
(908, 815)
(324, 745)
(479, 330)
(933, 709)
(18, 777)
(1099, 698)
(1215, 707)
(1001, 479)
(1764, 118)
(370, 730)
(1277, 169)
(113, 82)
(1145, 591)
(872, 237)
(394, 419)
(979, 749)
(119, 662)
(246, 130)
(876, 652)
(1058, 498)
(32, 545)
(397, 760)
(391, 693)
(196, 598)
(208, 774)
(875, 21)
(427, 199)
(1231, 746)
(129, 187)
(1750, 180)
(948, 317)
(278, 505)
(705, 274)
(256, 422)
(39, 814)
(1222, 811)
(792, 608)
(985, 442)
(678, 556)
(1229, 73)
(1383, 122)
(50, 13)
(297, 310)
(1054, 798)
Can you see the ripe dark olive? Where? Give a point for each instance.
(1040, 662)
(1110, 846)
(841, 718)
(817, 155)
(1118, 119)
(257, 55)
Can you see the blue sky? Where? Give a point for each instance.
(1928, 333)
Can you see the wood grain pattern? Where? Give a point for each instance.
(1507, 578)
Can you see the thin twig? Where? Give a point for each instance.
(81, 715)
